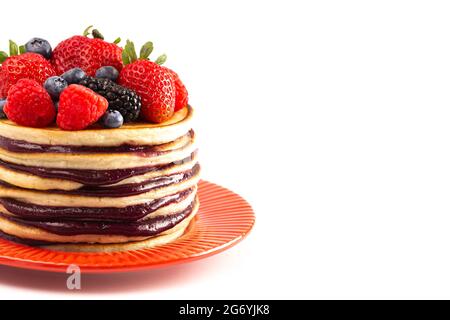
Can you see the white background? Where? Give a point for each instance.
(332, 118)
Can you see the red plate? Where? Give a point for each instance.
(224, 219)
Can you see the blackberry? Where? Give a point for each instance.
(124, 100)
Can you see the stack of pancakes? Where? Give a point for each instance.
(98, 189)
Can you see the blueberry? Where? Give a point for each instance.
(74, 75)
(112, 119)
(40, 46)
(108, 72)
(54, 86)
(2, 104)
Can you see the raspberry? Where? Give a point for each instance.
(79, 107)
(29, 104)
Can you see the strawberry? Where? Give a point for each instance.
(86, 53)
(66, 55)
(98, 53)
(79, 107)
(29, 104)
(153, 83)
(24, 66)
(181, 97)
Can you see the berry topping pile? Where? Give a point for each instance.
(84, 81)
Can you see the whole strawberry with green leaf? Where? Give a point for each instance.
(156, 85)
(86, 53)
(21, 65)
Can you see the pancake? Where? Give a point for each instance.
(98, 190)
(161, 239)
(164, 238)
(22, 176)
(47, 198)
(130, 133)
(182, 149)
(147, 210)
(25, 233)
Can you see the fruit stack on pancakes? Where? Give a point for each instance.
(97, 151)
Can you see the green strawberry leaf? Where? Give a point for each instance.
(87, 31)
(117, 41)
(13, 48)
(125, 57)
(161, 59)
(22, 49)
(97, 35)
(146, 50)
(131, 51)
(3, 56)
